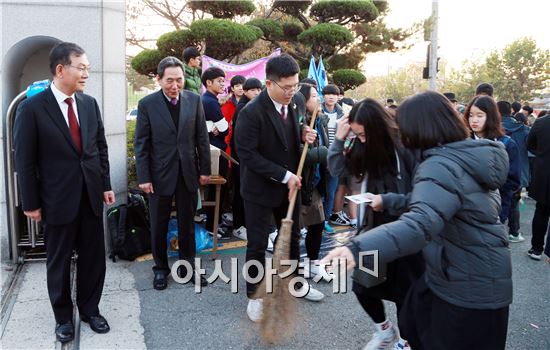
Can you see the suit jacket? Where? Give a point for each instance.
(50, 170)
(160, 148)
(263, 150)
(539, 144)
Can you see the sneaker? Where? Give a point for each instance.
(534, 254)
(227, 219)
(328, 228)
(382, 340)
(240, 233)
(339, 218)
(516, 239)
(199, 218)
(271, 240)
(254, 309)
(313, 270)
(399, 346)
(212, 234)
(313, 294)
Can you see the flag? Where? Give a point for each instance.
(312, 72)
(321, 75)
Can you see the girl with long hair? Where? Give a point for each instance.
(384, 167)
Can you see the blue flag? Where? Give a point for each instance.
(322, 80)
(312, 71)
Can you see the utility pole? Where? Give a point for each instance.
(432, 68)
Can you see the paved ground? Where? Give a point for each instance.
(215, 319)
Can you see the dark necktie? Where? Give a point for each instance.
(283, 112)
(174, 101)
(74, 128)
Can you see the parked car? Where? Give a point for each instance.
(132, 114)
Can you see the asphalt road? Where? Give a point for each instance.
(216, 318)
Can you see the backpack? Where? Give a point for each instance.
(129, 228)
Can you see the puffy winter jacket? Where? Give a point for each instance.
(192, 79)
(453, 217)
(518, 132)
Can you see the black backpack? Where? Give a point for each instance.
(129, 228)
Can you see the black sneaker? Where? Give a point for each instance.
(339, 219)
(534, 254)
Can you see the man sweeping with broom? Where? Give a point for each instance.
(268, 139)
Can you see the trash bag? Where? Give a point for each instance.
(202, 239)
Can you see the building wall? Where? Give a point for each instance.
(98, 27)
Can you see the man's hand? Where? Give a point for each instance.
(35, 215)
(109, 197)
(147, 187)
(377, 203)
(203, 180)
(309, 135)
(294, 184)
(215, 131)
(338, 256)
(342, 128)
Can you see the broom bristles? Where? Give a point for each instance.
(279, 307)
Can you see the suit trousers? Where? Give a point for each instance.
(238, 204)
(540, 225)
(84, 235)
(258, 227)
(159, 210)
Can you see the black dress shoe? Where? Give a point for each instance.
(182, 272)
(64, 332)
(159, 282)
(97, 323)
(203, 282)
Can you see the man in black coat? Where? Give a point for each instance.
(538, 143)
(63, 170)
(172, 158)
(268, 143)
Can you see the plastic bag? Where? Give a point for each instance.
(202, 239)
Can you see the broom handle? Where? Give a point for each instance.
(301, 166)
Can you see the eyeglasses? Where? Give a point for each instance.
(81, 69)
(289, 90)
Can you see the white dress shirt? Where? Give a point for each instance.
(60, 97)
(278, 107)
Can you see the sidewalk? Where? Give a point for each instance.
(178, 318)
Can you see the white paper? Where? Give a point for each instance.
(359, 198)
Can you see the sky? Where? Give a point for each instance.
(468, 29)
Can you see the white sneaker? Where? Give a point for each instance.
(254, 309)
(313, 294)
(382, 340)
(516, 239)
(271, 240)
(240, 233)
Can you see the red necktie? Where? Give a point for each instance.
(283, 114)
(74, 128)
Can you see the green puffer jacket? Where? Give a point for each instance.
(192, 79)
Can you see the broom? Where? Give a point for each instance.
(278, 307)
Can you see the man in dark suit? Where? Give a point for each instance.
(172, 158)
(538, 143)
(268, 142)
(63, 171)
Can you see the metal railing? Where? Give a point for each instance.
(26, 236)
